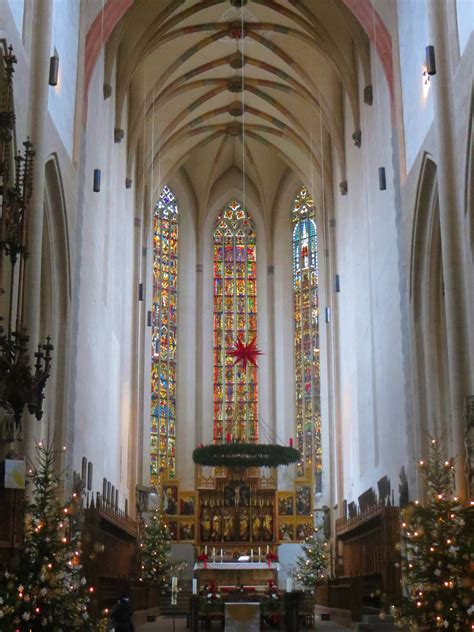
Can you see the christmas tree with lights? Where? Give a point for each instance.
(155, 550)
(311, 566)
(49, 591)
(436, 553)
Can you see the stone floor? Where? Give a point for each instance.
(165, 624)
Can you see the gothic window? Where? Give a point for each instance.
(164, 321)
(235, 317)
(306, 334)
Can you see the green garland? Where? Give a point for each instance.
(240, 454)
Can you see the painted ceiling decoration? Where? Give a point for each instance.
(208, 85)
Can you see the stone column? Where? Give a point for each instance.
(37, 122)
(199, 368)
(452, 242)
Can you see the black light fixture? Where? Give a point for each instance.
(430, 60)
(53, 70)
(96, 186)
(338, 283)
(382, 179)
(148, 319)
(327, 312)
(140, 291)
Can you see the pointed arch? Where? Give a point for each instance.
(306, 334)
(164, 316)
(235, 317)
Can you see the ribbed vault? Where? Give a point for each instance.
(258, 85)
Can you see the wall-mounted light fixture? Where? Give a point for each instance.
(140, 292)
(96, 185)
(382, 179)
(338, 283)
(430, 60)
(327, 313)
(53, 70)
(148, 319)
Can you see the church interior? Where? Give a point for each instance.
(237, 310)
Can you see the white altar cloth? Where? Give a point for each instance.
(242, 617)
(237, 566)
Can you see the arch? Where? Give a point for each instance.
(429, 334)
(235, 318)
(164, 334)
(55, 293)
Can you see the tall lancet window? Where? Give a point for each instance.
(235, 317)
(306, 335)
(164, 321)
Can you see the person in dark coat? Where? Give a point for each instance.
(120, 618)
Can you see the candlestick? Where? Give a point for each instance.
(195, 586)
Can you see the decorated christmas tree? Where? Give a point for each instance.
(311, 567)
(155, 549)
(49, 592)
(437, 545)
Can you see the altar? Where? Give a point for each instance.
(231, 574)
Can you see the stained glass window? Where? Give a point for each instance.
(235, 317)
(306, 334)
(164, 320)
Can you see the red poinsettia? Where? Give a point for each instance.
(203, 558)
(272, 557)
(245, 353)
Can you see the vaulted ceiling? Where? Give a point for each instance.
(212, 86)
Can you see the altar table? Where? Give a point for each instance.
(242, 617)
(236, 573)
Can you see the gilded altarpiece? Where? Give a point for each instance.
(236, 509)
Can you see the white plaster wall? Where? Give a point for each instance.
(17, 7)
(65, 40)
(413, 36)
(371, 377)
(465, 21)
(101, 360)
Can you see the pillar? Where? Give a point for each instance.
(37, 122)
(452, 242)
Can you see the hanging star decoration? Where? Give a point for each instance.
(245, 353)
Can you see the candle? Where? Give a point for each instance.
(205, 550)
(222, 555)
(213, 553)
(195, 586)
(259, 553)
(268, 549)
(291, 442)
(289, 585)
(174, 584)
(251, 555)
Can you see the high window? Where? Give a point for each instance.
(164, 321)
(235, 317)
(306, 334)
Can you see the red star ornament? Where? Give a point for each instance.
(245, 353)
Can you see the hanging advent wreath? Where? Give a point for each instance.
(240, 454)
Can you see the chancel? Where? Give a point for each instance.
(236, 302)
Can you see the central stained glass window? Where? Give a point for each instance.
(235, 317)
(306, 335)
(164, 322)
